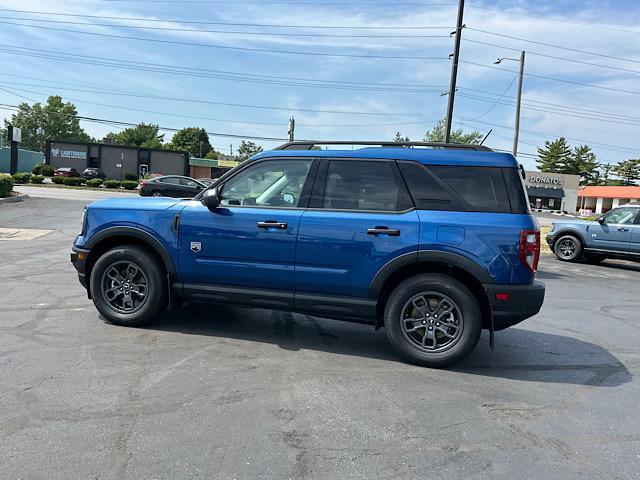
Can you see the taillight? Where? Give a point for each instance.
(142, 182)
(529, 249)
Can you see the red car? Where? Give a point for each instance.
(65, 172)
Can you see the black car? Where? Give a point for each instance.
(90, 173)
(171, 186)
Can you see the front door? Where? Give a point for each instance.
(250, 239)
(613, 232)
(360, 218)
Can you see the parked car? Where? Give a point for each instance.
(433, 244)
(171, 186)
(616, 234)
(65, 172)
(90, 173)
(205, 181)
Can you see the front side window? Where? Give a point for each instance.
(272, 183)
(620, 216)
(364, 185)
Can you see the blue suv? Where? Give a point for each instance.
(616, 234)
(434, 244)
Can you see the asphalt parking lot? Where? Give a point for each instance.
(215, 392)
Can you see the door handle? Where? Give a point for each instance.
(384, 231)
(272, 224)
(623, 229)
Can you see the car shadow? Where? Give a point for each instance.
(519, 354)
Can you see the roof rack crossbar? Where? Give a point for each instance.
(309, 144)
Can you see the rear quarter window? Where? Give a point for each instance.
(459, 188)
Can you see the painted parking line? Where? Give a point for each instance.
(22, 233)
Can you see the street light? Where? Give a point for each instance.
(518, 101)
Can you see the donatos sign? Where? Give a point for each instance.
(539, 179)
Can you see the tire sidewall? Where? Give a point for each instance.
(156, 299)
(576, 255)
(445, 285)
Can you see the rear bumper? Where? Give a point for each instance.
(79, 260)
(520, 302)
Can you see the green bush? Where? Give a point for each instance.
(129, 185)
(130, 176)
(38, 179)
(22, 177)
(43, 169)
(58, 180)
(73, 181)
(6, 185)
(112, 183)
(94, 182)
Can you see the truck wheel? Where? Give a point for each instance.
(128, 286)
(432, 320)
(568, 248)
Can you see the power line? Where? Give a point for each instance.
(262, 34)
(200, 72)
(324, 4)
(233, 24)
(572, 82)
(226, 47)
(554, 19)
(564, 59)
(562, 47)
(498, 100)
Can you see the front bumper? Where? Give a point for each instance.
(511, 304)
(550, 238)
(79, 260)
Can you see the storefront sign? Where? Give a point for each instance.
(58, 152)
(539, 179)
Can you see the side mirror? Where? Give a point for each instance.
(211, 198)
(288, 198)
(600, 220)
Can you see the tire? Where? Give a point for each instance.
(568, 248)
(432, 287)
(156, 193)
(109, 278)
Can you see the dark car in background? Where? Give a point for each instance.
(171, 186)
(65, 172)
(90, 173)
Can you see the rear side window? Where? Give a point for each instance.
(364, 185)
(474, 189)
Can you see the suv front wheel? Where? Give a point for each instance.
(433, 320)
(128, 286)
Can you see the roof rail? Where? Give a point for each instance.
(309, 144)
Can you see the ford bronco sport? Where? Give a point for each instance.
(433, 242)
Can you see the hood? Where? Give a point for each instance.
(136, 203)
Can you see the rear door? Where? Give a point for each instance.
(613, 233)
(634, 244)
(360, 218)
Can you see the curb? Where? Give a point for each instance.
(14, 199)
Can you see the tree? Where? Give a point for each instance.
(583, 162)
(247, 149)
(554, 156)
(211, 155)
(58, 121)
(628, 171)
(436, 134)
(192, 139)
(399, 138)
(606, 169)
(142, 135)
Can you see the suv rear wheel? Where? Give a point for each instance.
(568, 248)
(433, 320)
(128, 286)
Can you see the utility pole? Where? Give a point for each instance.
(517, 132)
(292, 128)
(201, 148)
(454, 73)
(518, 100)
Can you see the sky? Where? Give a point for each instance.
(359, 69)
